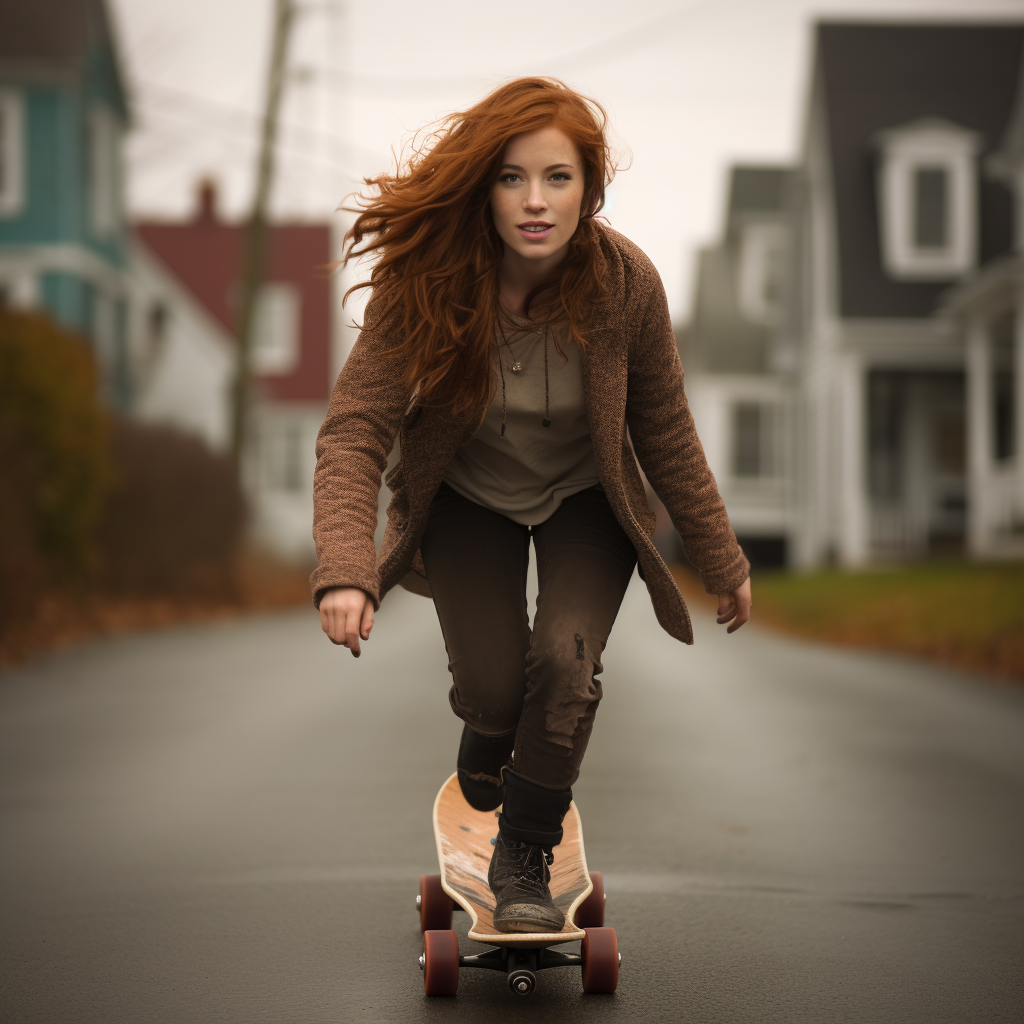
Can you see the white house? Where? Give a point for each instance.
(895, 356)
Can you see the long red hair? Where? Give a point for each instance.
(437, 249)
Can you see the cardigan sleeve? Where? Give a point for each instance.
(666, 444)
(352, 449)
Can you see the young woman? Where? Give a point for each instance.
(522, 353)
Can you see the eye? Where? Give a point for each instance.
(561, 176)
(509, 177)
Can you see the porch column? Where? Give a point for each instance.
(979, 434)
(854, 541)
(1018, 400)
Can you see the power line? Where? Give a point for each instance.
(648, 34)
(229, 114)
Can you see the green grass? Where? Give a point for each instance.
(960, 613)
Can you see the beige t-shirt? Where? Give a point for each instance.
(526, 474)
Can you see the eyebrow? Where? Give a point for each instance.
(553, 167)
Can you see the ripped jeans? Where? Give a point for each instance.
(542, 684)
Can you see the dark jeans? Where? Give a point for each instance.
(540, 684)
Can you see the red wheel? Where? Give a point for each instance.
(435, 905)
(600, 951)
(590, 913)
(440, 963)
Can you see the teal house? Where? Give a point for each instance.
(64, 112)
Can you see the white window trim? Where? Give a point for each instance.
(20, 288)
(277, 329)
(927, 143)
(770, 441)
(12, 191)
(758, 243)
(105, 172)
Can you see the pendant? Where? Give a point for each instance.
(516, 367)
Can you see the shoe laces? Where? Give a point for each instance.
(532, 873)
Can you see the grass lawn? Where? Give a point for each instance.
(958, 613)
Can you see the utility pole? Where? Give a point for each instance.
(256, 234)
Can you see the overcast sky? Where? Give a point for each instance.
(690, 86)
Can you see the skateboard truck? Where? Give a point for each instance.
(521, 965)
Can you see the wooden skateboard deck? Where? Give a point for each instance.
(464, 850)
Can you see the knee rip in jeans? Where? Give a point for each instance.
(573, 699)
(483, 777)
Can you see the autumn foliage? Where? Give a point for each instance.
(106, 522)
(55, 467)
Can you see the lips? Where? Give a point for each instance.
(535, 229)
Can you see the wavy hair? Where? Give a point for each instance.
(437, 249)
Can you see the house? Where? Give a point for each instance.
(740, 389)
(988, 308)
(155, 301)
(64, 112)
(898, 345)
(899, 205)
(190, 283)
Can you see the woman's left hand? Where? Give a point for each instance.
(735, 605)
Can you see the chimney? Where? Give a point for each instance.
(206, 211)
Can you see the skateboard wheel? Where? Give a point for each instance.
(440, 963)
(600, 952)
(590, 913)
(435, 905)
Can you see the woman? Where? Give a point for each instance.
(511, 341)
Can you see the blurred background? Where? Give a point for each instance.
(832, 192)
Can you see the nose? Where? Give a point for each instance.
(535, 201)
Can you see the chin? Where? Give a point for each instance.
(537, 252)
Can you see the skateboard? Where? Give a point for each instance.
(465, 840)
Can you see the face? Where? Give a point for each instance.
(536, 200)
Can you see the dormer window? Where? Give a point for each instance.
(275, 343)
(931, 207)
(927, 188)
(12, 155)
(762, 259)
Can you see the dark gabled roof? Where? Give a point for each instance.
(757, 189)
(50, 31)
(59, 37)
(720, 338)
(877, 76)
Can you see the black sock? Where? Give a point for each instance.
(531, 813)
(479, 765)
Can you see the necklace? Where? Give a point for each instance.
(516, 367)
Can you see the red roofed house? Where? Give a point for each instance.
(187, 284)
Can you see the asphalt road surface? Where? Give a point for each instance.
(228, 822)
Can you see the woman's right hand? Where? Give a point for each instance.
(346, 615)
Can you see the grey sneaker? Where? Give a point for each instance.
(518, 876)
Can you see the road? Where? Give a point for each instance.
(227, 823)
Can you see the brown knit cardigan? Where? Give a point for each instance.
(632, 381)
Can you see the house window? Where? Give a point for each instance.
(105, 172)
(1003, 406)
(755, 447)
(931, 207)
(276, 330)
(762, 261)
(158, 318)
(282, 450)
(12, 155)
(927, 187)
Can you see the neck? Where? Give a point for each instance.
(518, 276)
